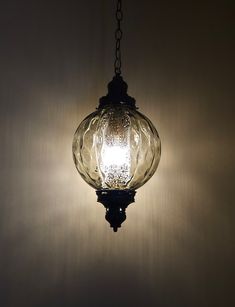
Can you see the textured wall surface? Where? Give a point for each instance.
(177, 246)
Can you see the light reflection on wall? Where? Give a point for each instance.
(54, 219)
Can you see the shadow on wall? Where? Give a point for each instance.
(95, 286)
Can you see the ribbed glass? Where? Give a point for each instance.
(116, 147)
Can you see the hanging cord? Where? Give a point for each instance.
(118, 37)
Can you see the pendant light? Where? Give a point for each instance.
(116, 149)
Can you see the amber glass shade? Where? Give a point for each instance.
(116, 148)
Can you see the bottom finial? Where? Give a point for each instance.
(116, 202)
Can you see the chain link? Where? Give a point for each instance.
(118, 37)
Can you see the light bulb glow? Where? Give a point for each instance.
(115, 156)
(115, 165)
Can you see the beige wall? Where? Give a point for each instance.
(176, 247)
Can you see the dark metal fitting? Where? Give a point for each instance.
(115, 202)
(117, 94)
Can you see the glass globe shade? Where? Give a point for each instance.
(116, 148)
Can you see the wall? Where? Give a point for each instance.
(176, 247)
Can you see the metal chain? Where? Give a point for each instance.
(118, 37)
